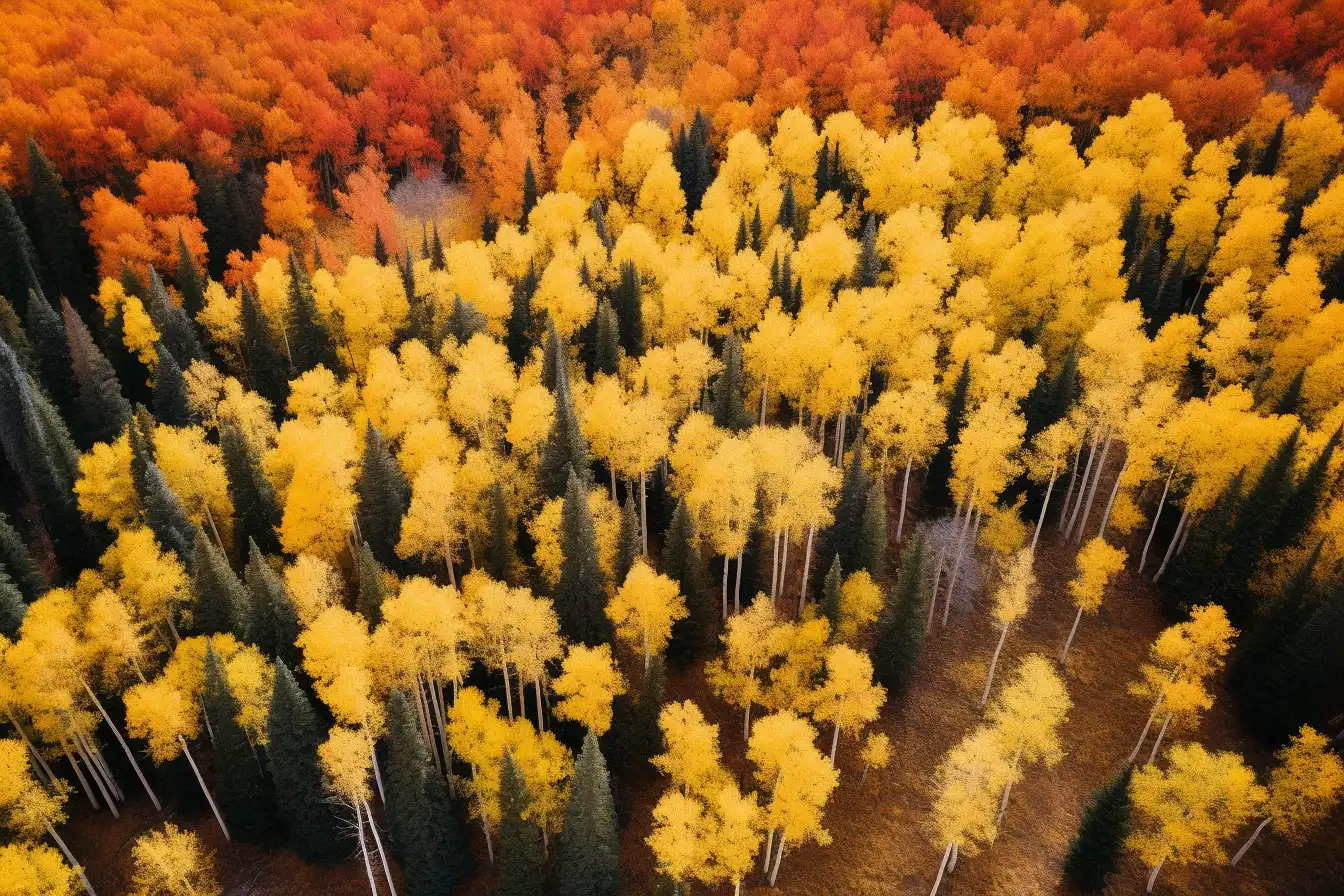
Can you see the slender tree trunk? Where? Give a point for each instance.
(210, 517)
(1143, 735)
(437, 701)
(835, 742)
(746, 722)
(93, 749)
(1180, 548)
(1152, 878)
(377, 774)
(125, 748)
(1115, 489)
(807, 568)
(993, 664)
(508, 689)
(612, 470)
(364, 851)
(1152, 530)
(489, 846)
(956, 563)
(905, 490)
(69, 857)
(205, 790)
(448, 561)
(1008, 788)
(725, 587)
(938, 567)
(937, 881)
(97, 774)
(765, 384)
(541, 716)
(425, 734)
(774, 570)
(1092, 490)
(1157, 744)
(1247, 845)
(1073, 478)
(737, 584)
(1171, 548)
(952, 863)
(84, 784)
(1063, 657)
(643, 514)
(779, 857)
(382, 853)
(1082, 484)
(769, 851)
(39, 763)
(1040, 520)
(784, 563)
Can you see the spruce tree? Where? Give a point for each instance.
(683, 563)
(222, 603)
(830, 593)
(267, 366)
(61, 239)
(938, 474)
(170, 391)
(11, 330)
(607, 341)
(310, 341)
(437, 261)
(51, 347)
(588, 863)
(870, 263)
(628, 301)
(1145, 284)
(372, 592)
(18, 259)
(384, 497)
(580, 595)
(275, 622)
(740, 241)
(293, 736)
(730, 411)
(15, 559)
(899, 636)
(1282, 618)
(520, 335)
(177, 331)
(101, 412)
(1197, 571)
(788, 211)
(553, 356)
(1244, 541)
(464, 321)
(520, 849)
(872, 548)
(629, 545)
(132, 373)
(159, 504)
(845, 536)
(1095, 851)
(1050, 400)
(426, 836)
(379, 247)
(502, 557)
(1292, 396)
(599, 216)
(255, 507)
(1131, 232)
(566, 450)
(529, 192)
(756, 230)
(12, 606)
(823, 170)
(243, 792)
(190, 282)
(1269, 159)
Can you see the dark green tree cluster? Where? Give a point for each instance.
(694, 160)
(244, 793)
(898, 638)
(580, 595)
(1095, 850)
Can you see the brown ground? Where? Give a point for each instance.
(881, 842)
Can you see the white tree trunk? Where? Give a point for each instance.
(1063, 657)
(1115, 489)
(774, 569)
(382, 853)
(725, 587)
(1092, 490)
(1082, 484)
(97, 774)
(993, 664)
(69, 857)
(205, 790)
(1040, 520)
(541, 716)
(737, 584)
(1073, 479)
(961, 547)
(84, 784)
(835, 742)
(779, 857)
(1241, 852)
(807, 568)
(769, 851)
(1152, 878)
(39, 763)
(1152, 530)
(1171, 548)
(377, 773)
(1143, 735)
(937, 881)
(905, 489)
(1157, 744)
(765, 384)
(938, 568)
(508, 689)
(364, 851)
(644, 513)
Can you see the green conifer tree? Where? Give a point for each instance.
(845, 535)
(1171, 295)
(1095, 851)
(1303, 500)
(1292, 396)
(1282, 617)
(588, 863)
(222, 603)
(51, 347)
(384, 497)
(899, 636)
(743, 237)
(256, 511)
(427, 839)
(520, 849)
(267, 366)
(502, 557)
(1131, 232)
(18, 258)
(1196, 572)
(170, 391)
(379, 247)
(823, 173)
(628, 300)
(12, 606)
(1269, 158)
(11, 330)
(101, 412)
(788, 211)
(159, 505)
(275, 623)
(293, 736)
(566, 449)
(520, 333)
(607, 347)
(870, 263)
(243, 792)
(756, 227)
(937, 475)
(61, 240)
(872, 548)
(629, 546)
(684, 564)
(465, 321)
(177, 331)
(372, 592)
(730, 411)
(310, 341)
(830, 593)
(529, 192)
(1050, 399)
(437, 261)
(581, 593)
(15, 559)
(190, 280)
(1145, 284)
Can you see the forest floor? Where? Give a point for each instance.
(880, 827)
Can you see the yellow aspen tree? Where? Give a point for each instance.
(876, 752)
(681, 838)
(1253, 223)
(480, 736)
(861, 601)
(723, 499)
(480, 389)
(1182, 658)
(605, 417)
(33, 868)
(1312, 145)
(798, 779)
(800, 648)
(1049, 455)
(808, 504)
(150, 580)
(765, 353)
(172, 862)
(644, 609)
(313, 467)
(779, 455)
(1012, 599)
(29, 809)
(848, 699)
(1303, 788)
(648, 438)
(967, 786)
(907, 426)
(749, 644)
(344, 758)
(536, 642)
(691, 756)
(588, 684)
(194, 470)
(313, 585)
(1323, 223)
(1098, 565)
(1026, 715)
(435, 522)
(1183, 813)
(736, 834)
(1195, 218)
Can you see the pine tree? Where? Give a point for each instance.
(1282, 618)
(61, 240)
(464, 321)
(756, 227)
(159, 505)
(275, 623)
(427, 839)
(520, 849)
(1131, 231)
(256, 511)
(217, 198)
(12, 606)
(131, 371)
(599, 217)
(740, 241)
(1050, 400)
(629, 546)
(16, 561)
(823, 172)
(899, 636)
(845, 536)
(18, 258)
(170, 391)
(872, 548)
(267, 366)
(379, 247)
(1269, 159)
(520, 335)
(177, 331)
(384, 497)
(628, 301)
(190, 282)
(683, 563)
(607, 341)
(588, 863)
(293, 736)
(502, 557)
(529, 192)
(938, 474)
(101, 412)
(870, 264)
(11, 330)
(1244, 540)
(437, 261)
(131, 284)
(1198, 569)
(310, 341)
(51, 347)
(243, 792)
(1145, 286)
(830, 593)
(788, 211)
(730, 411)
(580, 595)
(222, 603)
(372, 592)
(566, 449)
(1095, 851)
